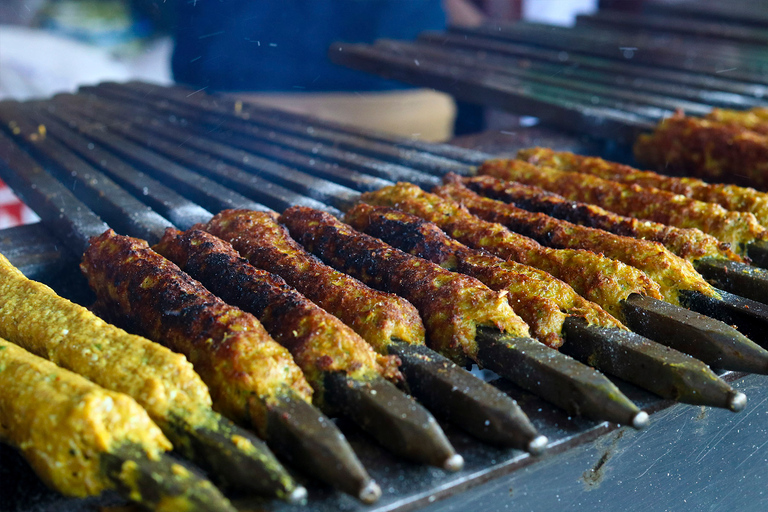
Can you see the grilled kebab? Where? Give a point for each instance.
(463, 317)
(252, 378)
(707, 149)
(163, 382)
(717, 343)
(82, 439)
(595, 339)
(711, 258)
(388, 322)
(755, 119)
(740, 229)
(343, 369)
(670, 272)
(730, 197)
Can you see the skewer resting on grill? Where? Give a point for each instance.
(389, 323)
(164, 383)
(701, 249)
(606, 345)
(754, 119)
(719, 344)
(345, 372)
(741, 230)
(463, 317)
(252, 378)
(82, 439)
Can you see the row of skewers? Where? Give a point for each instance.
(480, 322)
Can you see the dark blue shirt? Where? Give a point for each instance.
(282, 45)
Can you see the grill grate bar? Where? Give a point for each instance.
(697, 59)
(713, 88)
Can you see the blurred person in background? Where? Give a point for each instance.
(275, 52)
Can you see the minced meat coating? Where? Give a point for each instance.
(452, 305)
(736, 228)
(379, 318)
(689, 243)
(242, 365)
(597, 278)
(541, 300)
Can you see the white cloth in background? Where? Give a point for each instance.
(557, 12)
(37, 64)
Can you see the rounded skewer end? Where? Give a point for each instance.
(537, 445)
(454, 463)
(738, 402)
(297, 496)
(640, 420)
(370, 492)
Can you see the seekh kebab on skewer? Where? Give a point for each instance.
(670, 272)
(739, 229)
(730, 197)
(82, 439)
(345, 372)
(711, 258)
(706, 149)
(689, 243)
(252, 378)
(163, 382)
(754, 119)
(388, 322)
(463, 316)
(607, 346)
(717, 343)
(606, 283)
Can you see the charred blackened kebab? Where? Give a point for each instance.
(593, 338)
(740, 229)
(252, 379)
(388, 322)
(462, 316)
(345, 372)
(703, 337)
(82, 439)
(163, 382)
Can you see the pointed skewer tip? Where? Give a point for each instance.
(298, 496)
(454, 463)
(738, 402)
(640, 420)
(537, 445)
(370, 493)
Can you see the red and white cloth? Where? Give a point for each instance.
(12, 211)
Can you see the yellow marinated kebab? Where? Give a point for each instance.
(691, 244)
(710, 340)
(710, 257)
(740, 229)
(345, 372)
(590, 335)
(754, 119)
(252, 379)
(542, 301)
(462, 316)
(33, 316)
(388, 322)
(670, 272)
(82, 439)
(707, 149)
(730, 197)
(596, 278)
